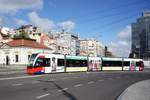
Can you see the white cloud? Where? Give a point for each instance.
(3, 21)
(125, 33)
(113, 45)
(122, 46)
(9, 6)
(21, 22)
(43, 23)
(47, 24)
(67, 25)
(119, 50)
(123, 43)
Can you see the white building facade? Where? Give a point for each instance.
(13, 54)
(91, 47)
(67, 43)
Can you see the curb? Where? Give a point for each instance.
(137, 91)
(12, 67)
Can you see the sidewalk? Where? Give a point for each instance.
(12, 67)
(137, 91)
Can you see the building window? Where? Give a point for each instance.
(17, 58)
(39, 34)
(29, 57)
(58, 47)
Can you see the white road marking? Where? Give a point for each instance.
(110, 78)
(52, 80)
(64, 78)
(118, 77)
(65, 89)
(90, 82)
(21, 77)
(78, 85)
(74, 77)
(62, 89)
(16, 84)
(43, 96)
(35, 82)
(100, 80)
(59, 90)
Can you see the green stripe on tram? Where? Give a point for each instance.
(76, 57)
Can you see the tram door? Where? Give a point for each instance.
(132, 65)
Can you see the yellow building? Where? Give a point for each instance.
(91, 47)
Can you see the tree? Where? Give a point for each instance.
(22, 35)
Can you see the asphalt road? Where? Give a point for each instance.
(68, 86)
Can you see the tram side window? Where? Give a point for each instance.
(42, 62)
(69, 63)
(76, 63)
(112, 63)
(137, 63)
(46, 62)
(83, 63)
(60, 62)
(126, 63)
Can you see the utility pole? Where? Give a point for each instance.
(106, 51)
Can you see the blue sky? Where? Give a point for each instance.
(106, 20)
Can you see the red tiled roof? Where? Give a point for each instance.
(26, 43)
